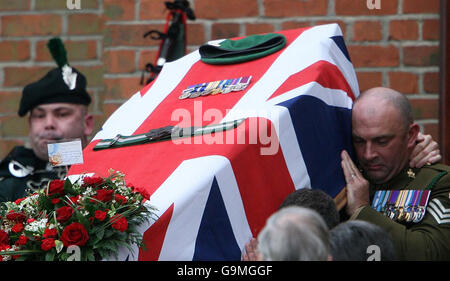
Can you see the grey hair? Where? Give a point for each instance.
(294, 234)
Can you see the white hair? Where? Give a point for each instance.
(294, 234)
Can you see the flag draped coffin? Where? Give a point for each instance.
(214, 192)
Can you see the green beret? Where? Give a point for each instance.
(53, 88)
(242, 50)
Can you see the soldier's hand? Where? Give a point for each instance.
(426, 151)
(357, 185)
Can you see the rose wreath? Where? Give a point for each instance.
(97, 215)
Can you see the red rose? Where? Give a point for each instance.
(56, 187)
(30, 220)
(4, 247)
(48, 244)
(119, 222)
(64, 213)
(120, 198)
(4, 237)
(50, 233)
(55, 201)
(74, 234)
(19, 200)
(93, 181)
(143, 191)
(22, 240)
(104, 195)
(17, 228)
(100, 215)
(74, 199)
(12, 216)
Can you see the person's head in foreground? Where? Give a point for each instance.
(316, 200)
(360, 241)
(294, 234)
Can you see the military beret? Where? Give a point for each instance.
(65, 85)
(241, 50)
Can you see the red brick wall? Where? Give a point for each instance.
(396, 46)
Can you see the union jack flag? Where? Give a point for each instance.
(212, 196)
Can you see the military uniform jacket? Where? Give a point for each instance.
(428, 239)
(21, 173)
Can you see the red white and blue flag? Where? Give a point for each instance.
(213, 193)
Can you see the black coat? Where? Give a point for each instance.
(22, 173)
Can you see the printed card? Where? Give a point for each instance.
(65, 153)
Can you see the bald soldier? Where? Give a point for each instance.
(384, 135)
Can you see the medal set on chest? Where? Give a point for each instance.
(217, 87)
(402, 205)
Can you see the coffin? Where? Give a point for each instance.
(215, 189)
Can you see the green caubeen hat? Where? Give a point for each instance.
(63, 84)
(236, 51)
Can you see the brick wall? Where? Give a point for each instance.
(396, 46)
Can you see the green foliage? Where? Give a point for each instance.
(45, 203)
(68, 189)
(50, 255)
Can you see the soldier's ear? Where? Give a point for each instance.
(413, 132)
(88, 124)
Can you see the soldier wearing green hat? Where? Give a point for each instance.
(57, 108)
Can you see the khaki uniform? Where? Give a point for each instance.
(428, 239)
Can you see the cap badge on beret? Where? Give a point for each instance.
(64, 84)
(69, 77)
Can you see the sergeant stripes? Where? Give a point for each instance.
(437, 210)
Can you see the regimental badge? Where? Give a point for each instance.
(411, 174)
(69, 76)
(217, 87)
(402, 205)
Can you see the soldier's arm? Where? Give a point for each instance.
(426, 240)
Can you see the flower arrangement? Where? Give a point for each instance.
(93, 215)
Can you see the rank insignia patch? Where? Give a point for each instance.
(439, 213)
